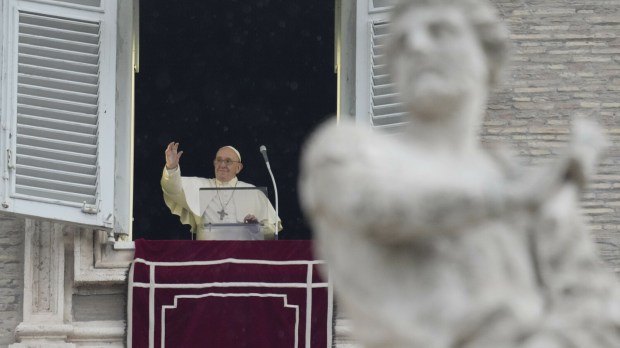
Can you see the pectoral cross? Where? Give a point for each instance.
(222, 214)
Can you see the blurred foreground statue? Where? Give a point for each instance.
(434, 242)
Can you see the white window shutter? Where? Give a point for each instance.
(376, 102)
(58, 99)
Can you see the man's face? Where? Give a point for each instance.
(226, 164)
(436, 57)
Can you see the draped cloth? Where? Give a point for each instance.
(228, 294)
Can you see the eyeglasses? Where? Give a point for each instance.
(226, 161)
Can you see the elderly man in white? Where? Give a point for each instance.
(181, 195)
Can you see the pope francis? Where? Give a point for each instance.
(222, 204)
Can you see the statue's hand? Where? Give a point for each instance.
(588, 142)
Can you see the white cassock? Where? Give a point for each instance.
(183, 198)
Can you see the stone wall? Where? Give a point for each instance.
(11, 277)
(61, 286)
(566, 64)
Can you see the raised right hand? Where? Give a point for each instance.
(173, 155)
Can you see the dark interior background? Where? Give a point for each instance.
(229, 72)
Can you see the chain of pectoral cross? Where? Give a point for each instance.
(223, 212)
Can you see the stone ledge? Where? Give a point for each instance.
(95, 333)
(97, 262)
(98, 331)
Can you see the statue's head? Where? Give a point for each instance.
(443, 50)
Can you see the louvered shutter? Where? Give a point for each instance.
(58, 110)
(377, 103)
(386, 111)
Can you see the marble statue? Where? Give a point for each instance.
(434, 241)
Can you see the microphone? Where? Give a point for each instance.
(263, 150)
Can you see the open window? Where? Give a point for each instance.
(66, 111)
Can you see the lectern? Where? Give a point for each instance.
(228, 223)
(230, 231)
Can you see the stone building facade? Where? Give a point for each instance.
(11, 277)
(566, 63)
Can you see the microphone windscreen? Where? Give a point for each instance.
(263, 150)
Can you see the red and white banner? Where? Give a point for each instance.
(228, 294)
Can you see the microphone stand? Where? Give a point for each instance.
(275, 189)
(263, 151)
